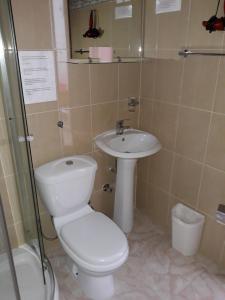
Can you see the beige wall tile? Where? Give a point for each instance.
(216, 146)
(130, 116)
(148, 72)
(199, 81)
(32, 24)
(46, 145)
(41, 107)
(13, 198)
(192, 133)
(2, 112)
(151, 29)
(104, 175)
(103, 117)
(5, 157)
(143, 168)
(171, 54)
(12, 236)
(168, 80)
(212, 191)
(146, 115)
(143, 202)
(103, 202)
(104, 83)
(160, 168)
(129, 80)
(42, 208)
(5, 201)
(20, 233)
(1, 170)
(220, 90)
(79, 85)
(212, 239)
(161, 208)
(165, 123)
(47, 225)
(173, 201)
(29, 224)
(76, 132)
(186, 180)
(172, 32)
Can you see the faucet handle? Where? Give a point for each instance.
(120, 127)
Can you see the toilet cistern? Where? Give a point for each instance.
(127, 145)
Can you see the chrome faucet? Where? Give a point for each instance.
(120, 126)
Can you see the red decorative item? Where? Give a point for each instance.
(214, 23)
(92, 31)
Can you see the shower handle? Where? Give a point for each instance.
(28, 138)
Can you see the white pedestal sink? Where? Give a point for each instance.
(127, 148)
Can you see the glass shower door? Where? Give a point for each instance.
(8, 281)
(10, 84)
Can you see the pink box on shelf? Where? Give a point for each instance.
(93, 52)
(105, 54)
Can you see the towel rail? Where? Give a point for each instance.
(187, 52)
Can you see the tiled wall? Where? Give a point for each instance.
(183, 104)
(90, 100)
(8, 187)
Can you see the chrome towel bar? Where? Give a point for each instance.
(187, 52)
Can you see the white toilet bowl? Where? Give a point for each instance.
(97, 247)
(95, 244)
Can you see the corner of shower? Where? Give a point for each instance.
(44, 285)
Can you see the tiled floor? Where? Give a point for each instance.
(153, 271)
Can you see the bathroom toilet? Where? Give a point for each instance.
(94, 243)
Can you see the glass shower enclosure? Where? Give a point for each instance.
(15, 116)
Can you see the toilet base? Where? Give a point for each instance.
(96, 287)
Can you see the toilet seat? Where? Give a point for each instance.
(95, 242)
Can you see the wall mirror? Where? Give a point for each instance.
(105, 23)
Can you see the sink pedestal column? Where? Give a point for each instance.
(124, 196)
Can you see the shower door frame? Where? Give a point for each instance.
(8, 46)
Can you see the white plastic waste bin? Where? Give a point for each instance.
(187, 226)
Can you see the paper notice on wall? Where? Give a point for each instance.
(38, 76)
(164, 6)
(123, 12)
(121, 1)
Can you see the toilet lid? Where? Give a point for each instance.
(95, 239)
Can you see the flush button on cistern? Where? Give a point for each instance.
(69, 162)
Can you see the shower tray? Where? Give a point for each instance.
(29, 276)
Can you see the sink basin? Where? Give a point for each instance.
(132, 144)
